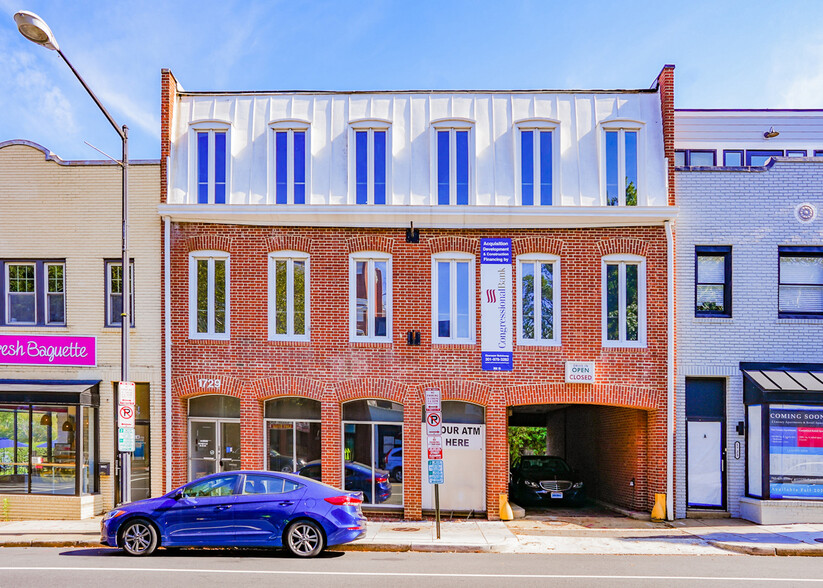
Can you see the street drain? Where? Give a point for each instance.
(405, 529)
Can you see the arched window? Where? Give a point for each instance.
(373, 450)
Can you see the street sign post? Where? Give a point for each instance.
(434, 437)
(125, 419)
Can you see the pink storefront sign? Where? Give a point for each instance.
(48, 350)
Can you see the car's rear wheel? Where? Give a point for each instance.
(397, 474)
(305, 538)
(139, 537)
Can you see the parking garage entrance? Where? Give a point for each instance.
(606, 449)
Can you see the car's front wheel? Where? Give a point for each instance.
(397, 474)
(139, 537)
(304, 539)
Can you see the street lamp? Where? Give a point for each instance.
(37, 31)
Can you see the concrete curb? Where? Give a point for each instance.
(802, 550)
(742, 548)
(56, 543)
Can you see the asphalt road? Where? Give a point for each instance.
(110, 568)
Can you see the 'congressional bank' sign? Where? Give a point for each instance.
(48, 350)
(496, 304)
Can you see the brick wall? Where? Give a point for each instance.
(333, 370)
(754, 212)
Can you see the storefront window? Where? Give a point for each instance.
(293, 434)
(54, 456)
(373, 450)
(14, 449)
(795, 451)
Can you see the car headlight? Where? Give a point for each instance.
(531, 484)
(113, 514)
(578, 485)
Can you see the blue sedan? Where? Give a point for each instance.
(239, 509)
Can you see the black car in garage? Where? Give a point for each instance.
(545, 480)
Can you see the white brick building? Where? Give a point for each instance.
(60, 262)
(749, 229)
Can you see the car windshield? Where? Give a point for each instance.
(543, 465)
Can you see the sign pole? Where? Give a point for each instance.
(437, 508)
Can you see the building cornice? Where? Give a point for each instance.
(463, 217)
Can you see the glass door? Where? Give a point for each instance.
(229, 446)
(202, 448)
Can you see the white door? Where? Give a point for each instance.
(705, 459)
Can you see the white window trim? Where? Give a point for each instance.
(622, 125)
(290, 257)
(453, 256)
(370, 257)
(452, 125)
(537, 124)
(194, 256)
(369, 125)
(211, 126)
(109, 266)
(554, 260)
(46, 266)
(289, 125)
(8, 293)
(624, 259)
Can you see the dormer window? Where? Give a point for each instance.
(211, 162)
(290, 145)
(453, 162)
(369, 161)
(621, 162)
(535, 157)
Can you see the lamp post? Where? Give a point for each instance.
(37, 31)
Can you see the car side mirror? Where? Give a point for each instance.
(178, 495)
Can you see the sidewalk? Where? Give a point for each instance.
(533, 534)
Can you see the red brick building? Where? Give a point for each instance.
(323, 268)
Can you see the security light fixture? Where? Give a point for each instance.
(771, 133)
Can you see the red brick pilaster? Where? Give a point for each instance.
(665, 85)
(412, 483)
(330, 431)
(497, 453)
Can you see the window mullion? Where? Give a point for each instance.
(370, 155)
(453, 298)
(290, 297)
(290, 166)
(452, 166)
(538, 301)
(212, 159)
(370, 302)
(210, 291)
(537, 197)
(621, 297)
(621, 169)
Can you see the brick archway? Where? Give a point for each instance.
(603, 394)
(610, 432)
(184, 389)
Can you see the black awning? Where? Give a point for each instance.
(85, 392)
(782, 382)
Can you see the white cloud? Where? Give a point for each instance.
(29, 96)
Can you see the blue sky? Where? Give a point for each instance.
(729, 54)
